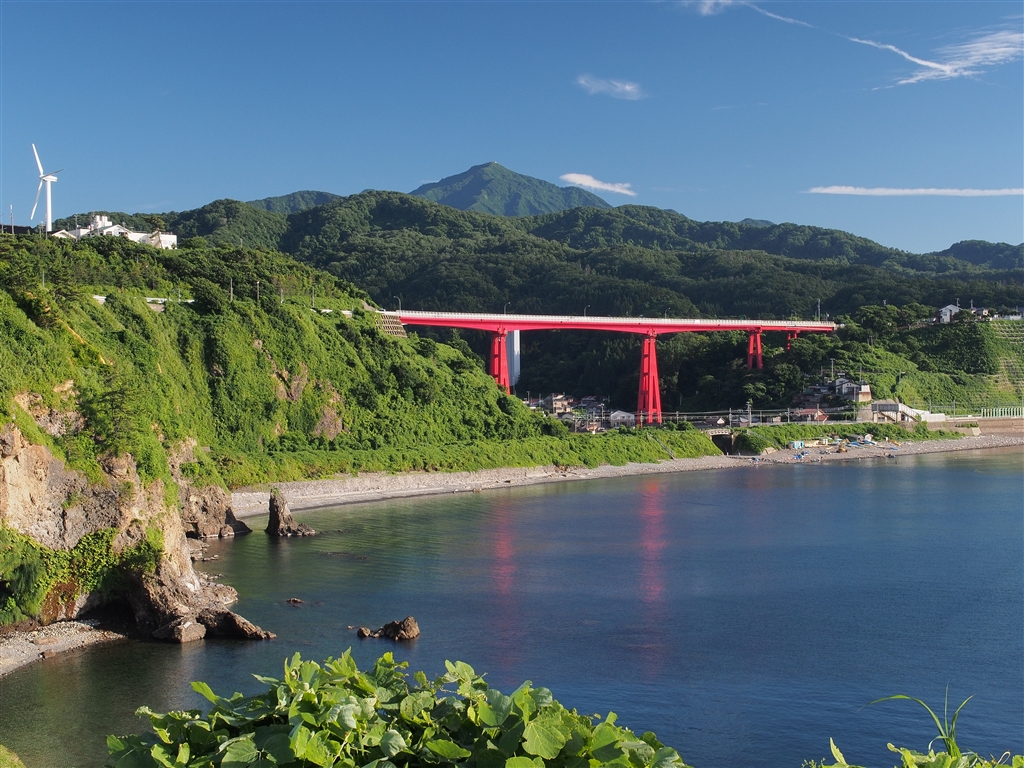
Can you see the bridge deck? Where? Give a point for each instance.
(645, 325)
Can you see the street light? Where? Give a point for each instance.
(399, 302)
(585, 310)
(505, 310)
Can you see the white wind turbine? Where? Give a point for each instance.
(48, 179)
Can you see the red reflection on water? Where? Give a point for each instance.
(652, 542)
(651, 589)
(506, 619)
(503, 565)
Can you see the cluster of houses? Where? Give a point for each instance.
(948, 312)
(101, 225)
(588, 414)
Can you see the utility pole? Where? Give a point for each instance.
(231, 289)
(282, 295)
(257, 291)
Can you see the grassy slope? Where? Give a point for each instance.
(276, 390)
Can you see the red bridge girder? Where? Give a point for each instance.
(649, 395)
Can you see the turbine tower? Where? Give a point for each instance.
(48, 179)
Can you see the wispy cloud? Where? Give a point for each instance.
(617, 89)
(969, 59)
(588, 181)
(715, 7)
(918, 191)
(962, 60)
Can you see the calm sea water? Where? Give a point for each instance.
(744, 615)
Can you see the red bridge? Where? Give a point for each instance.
(649, 398)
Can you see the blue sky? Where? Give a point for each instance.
(898, 121)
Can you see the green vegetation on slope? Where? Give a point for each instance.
(8, 759)
(492, 188)
(31, 573)
(275, 388)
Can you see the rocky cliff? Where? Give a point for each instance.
(68, 545)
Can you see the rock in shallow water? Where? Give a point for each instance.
(406, 629)
(281, 522)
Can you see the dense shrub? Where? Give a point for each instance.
(335, 715)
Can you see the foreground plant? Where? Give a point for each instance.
(953, 757)
(335, 715)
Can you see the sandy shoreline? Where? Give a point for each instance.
(379, 486)
(17, 649)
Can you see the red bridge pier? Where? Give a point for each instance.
(499, 359)
(648, 402)
(754, 350)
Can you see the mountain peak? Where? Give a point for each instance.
(493, 188)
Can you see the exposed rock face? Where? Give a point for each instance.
(406, 629)
(281, 522)
(42, 499)
(205, 512)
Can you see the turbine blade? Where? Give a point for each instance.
(38, 163)
(54, 173)
(36, 203)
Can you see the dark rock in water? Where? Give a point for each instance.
(281, 522)
(406, 629)
(224, 623)
(184, 629)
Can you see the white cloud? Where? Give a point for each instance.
(715, 7)
(588, 181)
(895, 192)
(968, 59)
(618, 89)
(962, 60)
(711, 7)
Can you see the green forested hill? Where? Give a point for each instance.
(222, 222)
(643, 261)
(294, 202)
(276, 388)
(492, 188)
(631, 260)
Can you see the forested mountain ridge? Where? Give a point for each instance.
(631, 260)
(228, 222)
(294, 202)
(492, 188)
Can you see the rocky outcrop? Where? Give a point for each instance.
(44, 500)
(281, 522)
(406, 629)
(206, 512)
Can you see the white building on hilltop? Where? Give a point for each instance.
(101, 225)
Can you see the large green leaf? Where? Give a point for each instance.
(240, 753)
(544, 737)
(416, 703)
(392, 742)
(495, 709)
(524, 762)
(318, 750)
(449, 750)
(666, 757)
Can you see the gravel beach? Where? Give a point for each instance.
(310, 494)
(18, 649)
